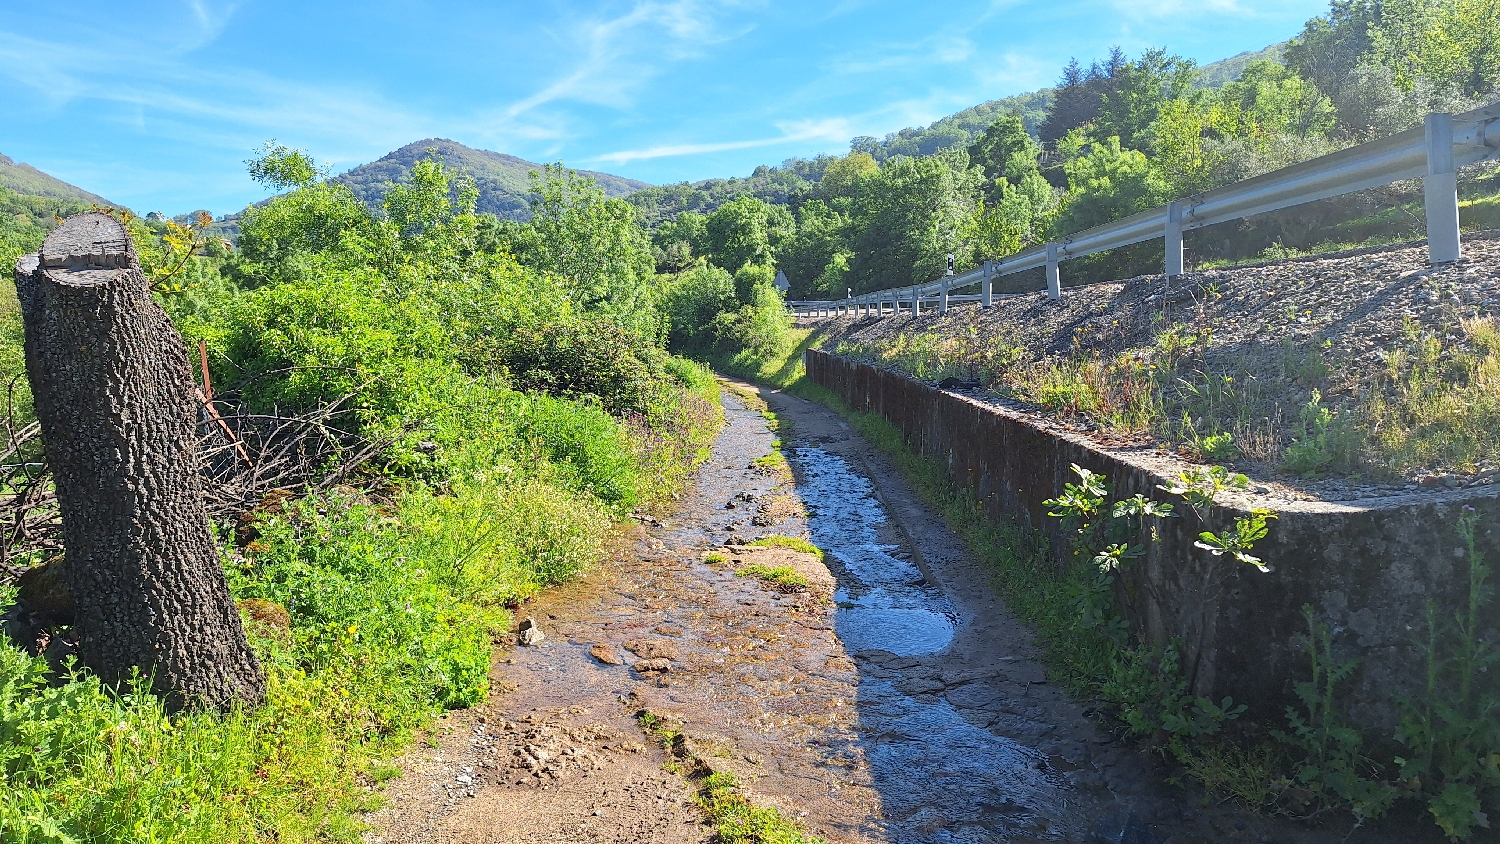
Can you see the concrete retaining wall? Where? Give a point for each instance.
(1368, 568)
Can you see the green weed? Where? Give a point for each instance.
(1451, 732)
(792, 542)
(738, 821)
(780, 578)
(1439, 405)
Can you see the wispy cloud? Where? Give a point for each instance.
(938, 48)
(616, 55)
(834, 129)
(1139, 10)
(211, 18)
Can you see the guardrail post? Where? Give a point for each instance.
(916, 302)
(1440, 191)
(1054, 274)
(1174, 241)
(989, 283)
(943, 303)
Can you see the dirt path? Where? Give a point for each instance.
(894, 701)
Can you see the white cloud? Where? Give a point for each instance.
(1139, 10)
(617, 55)
(211, 18)
(938, 48)
(834, 129)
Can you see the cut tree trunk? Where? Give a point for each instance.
(114, 396)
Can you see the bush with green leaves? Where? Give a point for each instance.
(590, 359)
(505, 466)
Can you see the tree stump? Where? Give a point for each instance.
(114, 396)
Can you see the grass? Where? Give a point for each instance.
(1440, 402)
(369, 618)
(736, 819)
(1435, 405)
(381, 638)
(780, 578)
(791, 542)
(782, 371)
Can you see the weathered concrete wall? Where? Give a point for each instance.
(1368, 568)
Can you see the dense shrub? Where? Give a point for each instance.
(522, 410)
(586, 358)
(691, 301)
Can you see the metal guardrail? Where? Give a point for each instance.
(1433, 152)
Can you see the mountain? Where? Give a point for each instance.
(502, 179)
(1228, 70)
(25, 179)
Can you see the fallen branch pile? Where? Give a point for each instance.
(244, 456)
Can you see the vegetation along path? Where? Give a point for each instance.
(711, 671)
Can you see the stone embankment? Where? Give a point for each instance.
(1367, 567)
(1329, 322)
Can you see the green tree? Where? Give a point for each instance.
(594, 244)
(843, 176)
(679, 240)
(283, 168)
(1006, 152)
(1452, 44)
(1460, 51)
(822, 235)
(1271, 99)
(289, 235)
(692, 300)
(1333, 45)
(747, 231)
(909, 217)
(1019, 219)
(1105, 183)
(1140, 89)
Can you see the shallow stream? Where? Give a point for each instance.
(941, 778)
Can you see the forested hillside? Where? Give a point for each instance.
(1120, 134)
(796, 177)
(24, 179)
(500, 178)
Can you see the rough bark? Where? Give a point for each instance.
(113, 394)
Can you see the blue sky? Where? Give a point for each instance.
(158, 104)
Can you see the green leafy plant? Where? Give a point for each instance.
(1452, 731)
(1331, 767)
(1147, 686)
(1219, 446)
(1325, 440)
(1106, 536)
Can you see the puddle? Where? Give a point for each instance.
(884, 601)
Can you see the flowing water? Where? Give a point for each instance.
(941, 779)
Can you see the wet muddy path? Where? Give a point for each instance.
(895, 700)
